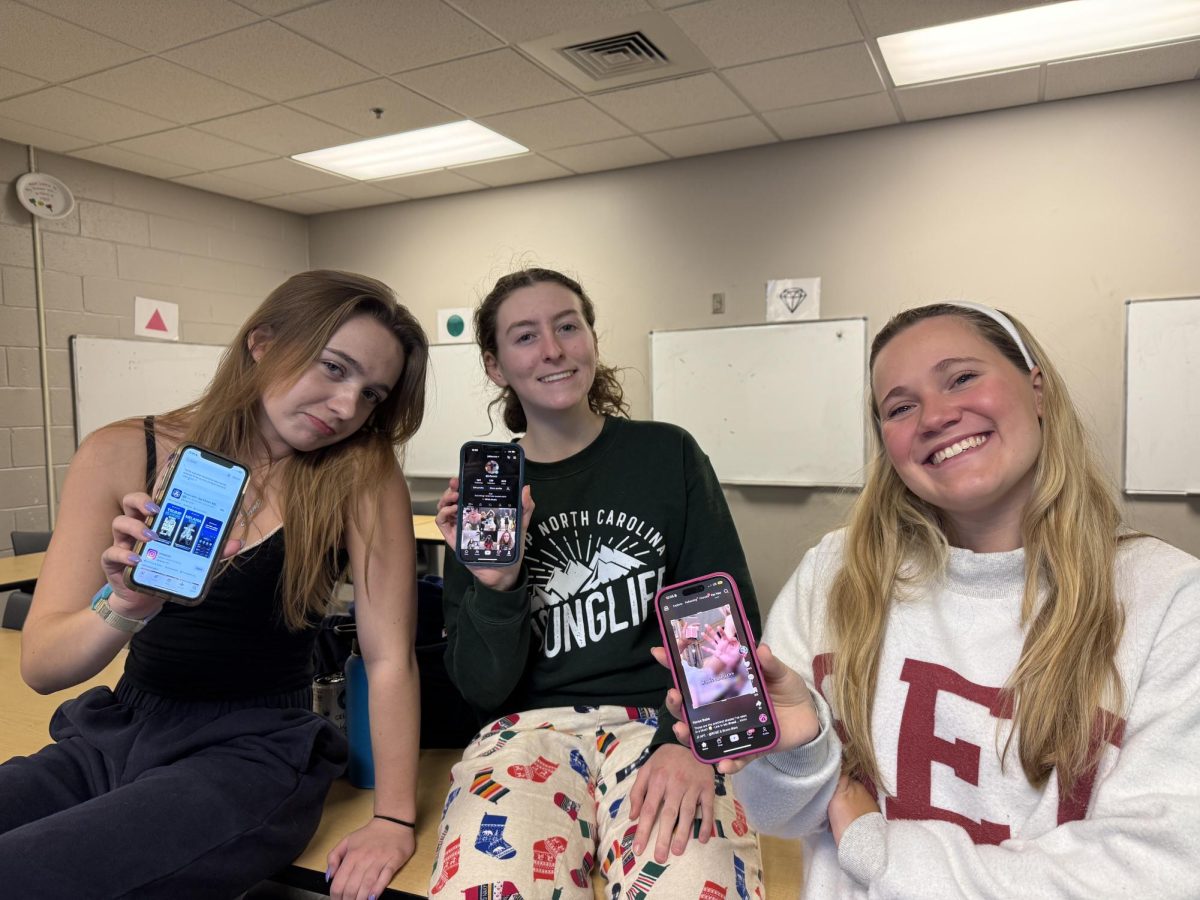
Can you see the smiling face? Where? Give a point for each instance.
(545, 350)
(960, 423)
(331, 400)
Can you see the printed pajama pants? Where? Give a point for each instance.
(538, 803)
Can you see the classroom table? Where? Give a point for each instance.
(16, 570)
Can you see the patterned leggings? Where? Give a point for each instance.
(538, 803)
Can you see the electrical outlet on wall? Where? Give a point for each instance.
(718, 304)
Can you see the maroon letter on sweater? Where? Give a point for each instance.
(919, 748)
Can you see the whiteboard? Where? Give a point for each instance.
(118, 378)
(781, 403)
(1162, 396)
(457, 393)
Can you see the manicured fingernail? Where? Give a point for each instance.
(133, 559)
(153, 507)
(148, 534)
(328, 874)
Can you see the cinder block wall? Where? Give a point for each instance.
(129, 235)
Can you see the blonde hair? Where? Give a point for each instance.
(321, 489)
(1067, 673)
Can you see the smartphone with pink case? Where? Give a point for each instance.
(716, 669)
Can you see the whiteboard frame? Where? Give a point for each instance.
(860, 469)
(1125, 488)
(77, 399)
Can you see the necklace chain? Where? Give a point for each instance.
(246, 516)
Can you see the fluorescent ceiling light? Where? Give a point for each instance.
(456, 144)
(1036, 35)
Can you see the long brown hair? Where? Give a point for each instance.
(321, 489)
(605, 395)
(1067, 673)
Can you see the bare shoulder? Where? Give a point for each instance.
(113, 454)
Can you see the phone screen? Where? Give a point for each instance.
(716, 671)
(489, 503)
(197, 505)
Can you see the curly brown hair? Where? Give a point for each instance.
(605, 395)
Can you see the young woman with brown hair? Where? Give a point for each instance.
(999, 686)
(205, 770)
(577, 769)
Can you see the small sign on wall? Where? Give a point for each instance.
(793, 298)
(155, 319)
(455, 326)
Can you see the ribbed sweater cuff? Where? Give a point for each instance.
(862, 854)
(806, 759)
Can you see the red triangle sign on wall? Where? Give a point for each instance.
(156, 322)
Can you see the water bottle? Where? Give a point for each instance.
(361, 769)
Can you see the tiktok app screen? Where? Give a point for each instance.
(489, 498)
(707, 635)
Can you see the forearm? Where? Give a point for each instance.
(60, 650)
(395, 702)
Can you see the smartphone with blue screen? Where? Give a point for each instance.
(490, 476)
(198, 502)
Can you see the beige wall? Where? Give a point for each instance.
(128, 236)
(1058, 213)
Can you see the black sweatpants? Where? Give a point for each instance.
(145, 796)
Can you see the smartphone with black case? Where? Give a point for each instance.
(490, 477)
(716, 669)
(199, 498)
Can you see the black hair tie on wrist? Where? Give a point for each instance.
(412, 825)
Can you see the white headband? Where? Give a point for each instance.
(1000, 319)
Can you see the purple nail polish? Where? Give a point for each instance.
(152, 507)
(148, 534)
(133, 559)
(328, 875)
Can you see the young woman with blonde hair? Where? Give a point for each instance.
(206, 769)
(999, 686)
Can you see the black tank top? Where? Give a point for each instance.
(234, 645)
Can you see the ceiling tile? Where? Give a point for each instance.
(305, 206)
(556, 125)
(192, 148)
(833, 116)
(602, 155)
(219, 184)
(274, 7)
(732, 32)
(670, 104)
(73, 113)
(271, 61)
(351, 108)
(164, 89)
(133, 162)
(968, 95)
(146, 24)
(489, 83)
(524, 20)
(713, 137)
(74, 50)
(518, 170)
(429, 184)
(349, 196)
(808, 78)
(283, 176)
(1121, 71)
(391, 37)
(13, 83)
(45, 138)
(279, 130)
(891, 16)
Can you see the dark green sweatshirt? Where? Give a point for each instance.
(638, 509)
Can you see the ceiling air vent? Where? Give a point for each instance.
(621, 54)
(617, 54)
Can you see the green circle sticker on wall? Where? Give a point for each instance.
(455, 325)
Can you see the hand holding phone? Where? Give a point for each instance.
(489, 521)
(199, 498)
(711, 653)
